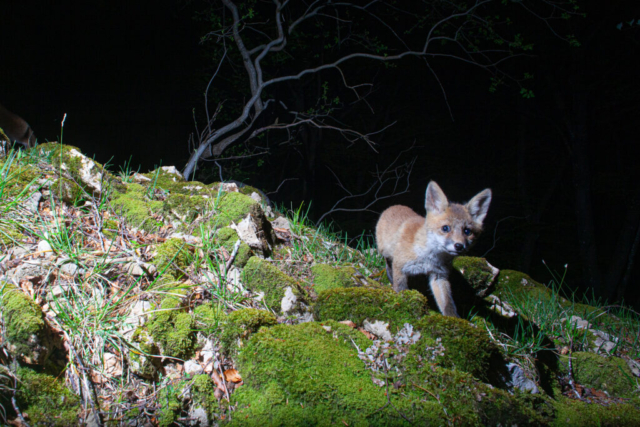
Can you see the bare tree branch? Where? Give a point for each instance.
(452, 24)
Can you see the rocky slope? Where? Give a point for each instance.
(144, 299)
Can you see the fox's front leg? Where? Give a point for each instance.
(399, 278)
(441, 289)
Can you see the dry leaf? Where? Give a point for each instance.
(349, 323)
(232, 375)
(367, 334)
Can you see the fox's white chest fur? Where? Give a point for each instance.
(429, 262)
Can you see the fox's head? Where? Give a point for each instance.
(452, 227)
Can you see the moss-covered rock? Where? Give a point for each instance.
(68, 191)
(610, 374)
(45, 401)
(170, 405)
(310, 374)
(261, 276)
(172, 258)
(327, 277)
(234, 207)
(477, 272)
(136, 207)
(456, 344)
(173, 329)
(228, 237)
(202, 395)
(88, 173)
(209, 317)
(570, 412)
(240, 324)
(358, 304)
(146, 362)
(26, 332)
(514, 284)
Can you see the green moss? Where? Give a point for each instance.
(466, 348)
(228, 237)
(172, 257)
(476, 272)
(234, 207)
(327, 277)
(24, 323)
(358, 304)
(9, 234)
(465, 399)
(304, 375)
(136, 207)
(208, 317)
(241, 324)
(202, 394)
(308, 375)
(44, 400)
(68, 191)
(186, 207)
(576, 413)
(143, 364)
(169, 404)
(610, 374)
(60, 154)
(261, 276)
(511, 283)
(172, 329)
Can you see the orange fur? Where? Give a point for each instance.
(415, 245)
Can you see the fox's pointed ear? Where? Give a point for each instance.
(479, 205)
(435, 201)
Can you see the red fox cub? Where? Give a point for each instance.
(16, 128)
(414, 245)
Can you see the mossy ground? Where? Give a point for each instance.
(45, 401)
(467, 348)
(23, 321)
(261, 276)
(234, 207)
(172, 258)
(327, 277)
(358, 304)
(136, 207)
(610, 374)
(228, 237)
(241, 324)
(173, 329)
(575, 413)
(310, 374)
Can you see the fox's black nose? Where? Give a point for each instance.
(459, 247)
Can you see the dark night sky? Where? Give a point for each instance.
(129, 73)
(121, 70)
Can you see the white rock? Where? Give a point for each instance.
(172, 170)
(289, 301)
(139, 178)
(44, 246)
(69, 268)
(90, 174)
(248, 232)
(281, 222)
(199, 417)
(378, 328)
(192, 367)
(255, 196)
(519, 380)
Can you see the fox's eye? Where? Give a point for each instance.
(467, 231)
(446, 228)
